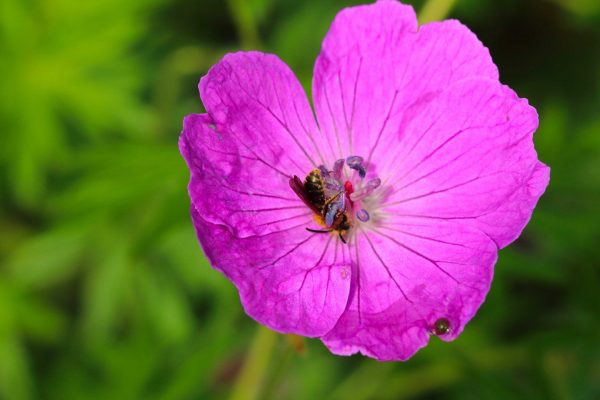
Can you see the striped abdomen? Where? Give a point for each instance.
(313, 187)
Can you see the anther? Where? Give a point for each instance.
(324, 171)
(372, 185)
(338, 167)
(366, 190)
(362, 215)
(355, 163)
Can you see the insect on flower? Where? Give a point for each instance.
(331, 209)
(324, 194)
(375, 221)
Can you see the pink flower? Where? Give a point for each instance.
(423, 154)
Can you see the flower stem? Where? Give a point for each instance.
(250, 380)
(245, 22)
(284, 363)
(435, 10)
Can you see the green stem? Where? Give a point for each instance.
(284, 363)
(435, 10)
(245, 23)
(250, 380)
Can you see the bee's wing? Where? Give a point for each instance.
(333, 206)
(331, 213)
(298, 187)
(331, 187)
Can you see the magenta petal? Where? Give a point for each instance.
(375, 65)
(250, 223)
(231, 188)
(508, 220)
(255, 99)
(290, 280)
(469, 156)
(463, 182)
(408, 276)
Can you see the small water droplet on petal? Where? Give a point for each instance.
(441, 327)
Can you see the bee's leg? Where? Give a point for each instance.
(333, 198)
(342, 238)
(318, 230)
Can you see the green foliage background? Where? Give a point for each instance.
(104, 292)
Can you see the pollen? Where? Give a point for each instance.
(319, 220)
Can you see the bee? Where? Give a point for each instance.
(326, 199)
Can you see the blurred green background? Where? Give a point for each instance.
(104, 292)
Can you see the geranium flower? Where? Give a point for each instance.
(426, 169)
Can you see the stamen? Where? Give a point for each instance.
(366, 190)
(324, 171)
(372, 184)
(331, 183)
(343, 193)
(355, 163)
(338, 167)
(362, 215)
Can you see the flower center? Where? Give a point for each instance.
(347, 191)
(341, 197)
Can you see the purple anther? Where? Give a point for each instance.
(324, 171)
(371, 185)
(338, 166)
(361, 171)
(362, 215)
(355, 163)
